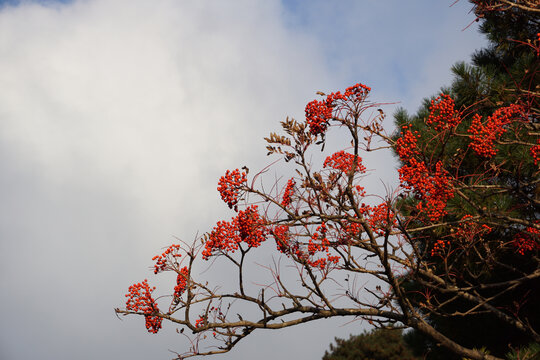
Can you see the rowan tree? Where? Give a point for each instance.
(321, 223)
(458, 236)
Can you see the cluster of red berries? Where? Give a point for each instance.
(251, 227)
(351, 102)
(439, 247)
(319, 243)
(432, 188)
(443, 114)
(353, 95)
(484, 135)
(322, 263)
(360, 190)
(161, 260)
(468, 230)
(140, 300)
(282, 236)
(356, 93)
(223, 237)
(229, 187)
(181, 282)
(381, 218)
(407, 144)
(318, 113)
(226, 236)
(200, 321)
(152, 323)
(289, 189)
(349, 230)
(527, 240)
(344, 161)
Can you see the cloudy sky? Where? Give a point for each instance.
(117, 117)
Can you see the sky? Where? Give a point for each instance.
(117, 117)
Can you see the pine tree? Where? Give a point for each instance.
(377, 344)
(504, 74)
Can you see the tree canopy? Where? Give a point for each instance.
(378, 344)
(503, 75)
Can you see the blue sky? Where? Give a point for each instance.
(117, 118)
(43, 2)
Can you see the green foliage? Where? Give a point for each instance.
(506, 72)
(378, 344)
(529, 352)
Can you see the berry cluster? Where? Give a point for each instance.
(468, 231)
(484, 135)
(181, 282)
(379, 217)
(319, 243)
(226, 236)
(344, 161)
(223, 237)
(200, 321)
(360, 190)
(140, 300)
(351, 103)
(323, 262)
(356, 93)
(229, 187)
(407, 144)
(382, 218)
(350, 230)
(353, 95)
(288, 192)
(433, 189)
(527, 240)
(162, 260)
(439, 247)
(319, 113)
(443, 114)
(282, 236)
(251, 227)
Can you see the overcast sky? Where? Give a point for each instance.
(117, 117)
